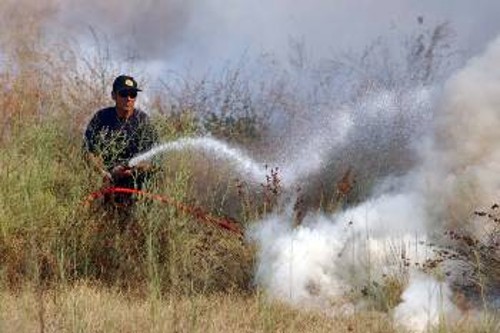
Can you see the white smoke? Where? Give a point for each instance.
(461, 166)
(301, 260)
(141, 29)
(198, 33)
(194, 31)
(424, 303)
(326, 256)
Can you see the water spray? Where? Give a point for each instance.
(242, 163)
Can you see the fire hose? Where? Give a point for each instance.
(224, 222)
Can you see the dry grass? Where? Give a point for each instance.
(87, 308)
(90, 308)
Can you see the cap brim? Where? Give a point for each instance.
(130, 88)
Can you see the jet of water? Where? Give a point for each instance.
(244, 164)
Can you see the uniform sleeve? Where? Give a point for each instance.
(149, 135)
(90, 138)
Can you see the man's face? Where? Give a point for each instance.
(125, 101)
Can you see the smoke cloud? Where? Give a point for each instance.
(462, 165)
(146, 29)
(424, 301)
(326, 256)
(194, 33)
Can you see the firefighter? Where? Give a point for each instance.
(116, 134)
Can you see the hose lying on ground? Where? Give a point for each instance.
(226, 223)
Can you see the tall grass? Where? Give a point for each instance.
(49, 235)
(86, 308)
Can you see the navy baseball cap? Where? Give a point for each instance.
(125, 82)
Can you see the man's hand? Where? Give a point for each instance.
(106, 177)
(97, 162)
(121, 171)
(143, 166)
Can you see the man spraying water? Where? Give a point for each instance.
(115, 134)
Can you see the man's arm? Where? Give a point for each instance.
(148, 139)
(119, 171)
(97, 163)
(90, 149)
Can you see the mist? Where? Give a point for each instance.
(178, 34)
(215, 28)
(327, 256)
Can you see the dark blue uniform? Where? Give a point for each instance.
(117, 140)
